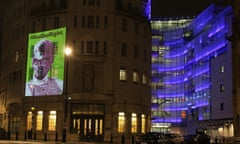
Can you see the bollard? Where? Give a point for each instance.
(30, 134)
(45, 136)
(25, 136)
(132, 139)
(9, 135)
(123, 139)
(16, 135)
(111, 140)
(56, 137)
(34, 136)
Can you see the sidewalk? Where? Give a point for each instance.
(42, 142)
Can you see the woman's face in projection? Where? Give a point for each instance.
(42, 61)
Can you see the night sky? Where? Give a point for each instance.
(176, 8)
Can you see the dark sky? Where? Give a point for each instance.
(175, 8)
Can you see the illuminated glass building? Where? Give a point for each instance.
(192, 72)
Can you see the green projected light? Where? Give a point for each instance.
(45, 63)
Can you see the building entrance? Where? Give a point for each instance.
(88, 122)
(89, 127)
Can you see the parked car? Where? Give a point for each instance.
(159, 138)
(174, 138)
(190, 139)
(203, 139)
(152, 138)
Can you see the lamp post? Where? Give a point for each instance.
(33, 135)
(67, 52)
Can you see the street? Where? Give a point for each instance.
(41, 142)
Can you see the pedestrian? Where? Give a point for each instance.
(223, 140)
(216, 140)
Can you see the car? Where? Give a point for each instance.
(159, 138)
(190, 139)
(174, 138)
(203, 138)
(152, 138)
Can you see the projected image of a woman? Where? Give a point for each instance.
(42, 60)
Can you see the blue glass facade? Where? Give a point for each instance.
(182, 50)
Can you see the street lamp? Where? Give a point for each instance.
(33, 112)
(67, 53)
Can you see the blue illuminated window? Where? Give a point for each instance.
(222, 106)
(222, 88)
(222, 69)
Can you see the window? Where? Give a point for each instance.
(135, 52)
(16, 56)
(88, 77)
(52, 3)
(82, 47)
(143, 122)
(135, 76)
(124, 50)
(3, 99)
(29, 120)
(98, 126)
(74, 44)
(222, 69)
(39, 120)
(83, 21)
(97, 22)
(87, 126)
(52, 121)
(119, 4)
(44, 24)
(105, 22)
(98, 2)
(56, 22)
(90, 2)
(145, 55)
(90, 21)
(105, 47)
(145, 32)
(183, 114)
(222, 106)
(134, 123)
(33, 26)
(121, 122)
(136, 28)
(130, 6)
(123, 74)
(89, 47)
(222, 88)
(144, 79)
(84, 2)
(124, 25)
(76, 125)
(96, 47)
(75, 19)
